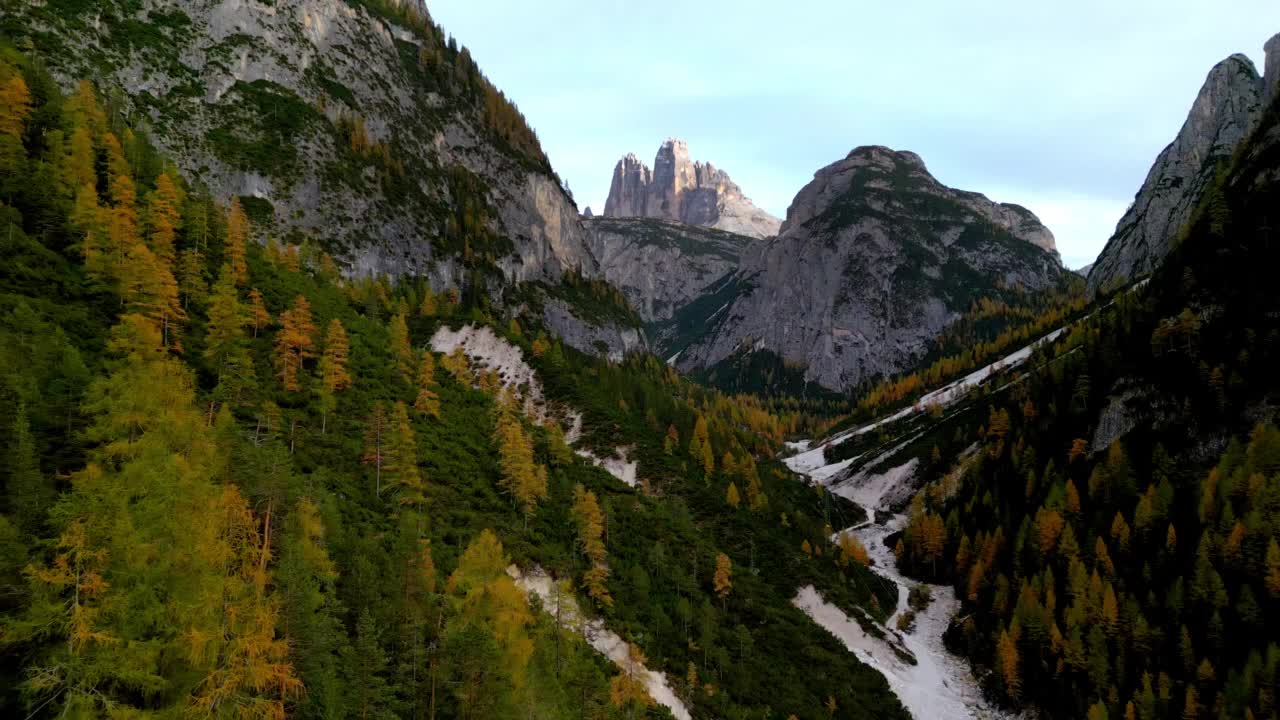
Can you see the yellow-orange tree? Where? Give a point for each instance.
(295, 342)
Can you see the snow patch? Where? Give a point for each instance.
(950, 393)
(536, 581)
(887, 489)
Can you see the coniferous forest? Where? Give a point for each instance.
(249, 472)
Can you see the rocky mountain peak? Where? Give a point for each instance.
(885, 175)
(875, 259)
(1226, 110)
(680, 190)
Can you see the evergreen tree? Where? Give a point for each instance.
(30, 494)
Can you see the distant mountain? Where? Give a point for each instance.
(1226, 111)
(662, 265)
(684, 191)
(875, 258)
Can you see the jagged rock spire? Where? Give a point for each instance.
(681, 190)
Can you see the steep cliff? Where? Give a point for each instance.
(874, 259)
(354, 122)
(681, 190)
(1227, 109)
(1272, 77)
(662, 265)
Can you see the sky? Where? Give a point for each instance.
(1058, 106)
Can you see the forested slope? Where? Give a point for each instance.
(238, 484)
(1112, 528)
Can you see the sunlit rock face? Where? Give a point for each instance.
(681, 190)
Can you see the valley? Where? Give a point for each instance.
(325, 397)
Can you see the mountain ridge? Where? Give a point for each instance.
(874, 259)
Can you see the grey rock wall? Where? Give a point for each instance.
(1227, 109)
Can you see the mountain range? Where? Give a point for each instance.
(327, 402)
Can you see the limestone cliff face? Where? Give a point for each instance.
(681, 190)
(262, 100)
(874, 259)
(1272, 76)
(662, 265)
(1229, 106)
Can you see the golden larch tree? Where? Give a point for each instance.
(590, 521)
(258, 315)
(164, 218)
(723, 579)
(401, 348)
(427, 402)
(400, 461)
(522, 478)
(237, 242)
(627, 689)
(334, 377)
(295, 342)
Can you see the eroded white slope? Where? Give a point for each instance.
(939, 686)
(536, 581)
(485, 350)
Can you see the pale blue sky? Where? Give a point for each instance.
(1059, 106)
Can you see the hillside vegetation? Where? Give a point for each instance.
(237, 484)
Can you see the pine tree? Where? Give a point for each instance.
(225, 335)
(192, 285)
(489, 601)
(700, 446)
(1007, 661)
(30, 494)
(731, 496)
(1273, 568)
(90, 222)
(15, 105)
(376, 438)
(150, 486)
(226, 346)
(366, 664)
(852, 550)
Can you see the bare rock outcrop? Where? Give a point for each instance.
(874, 259)
(1228, 108)
(344, 122)
(681, 190)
